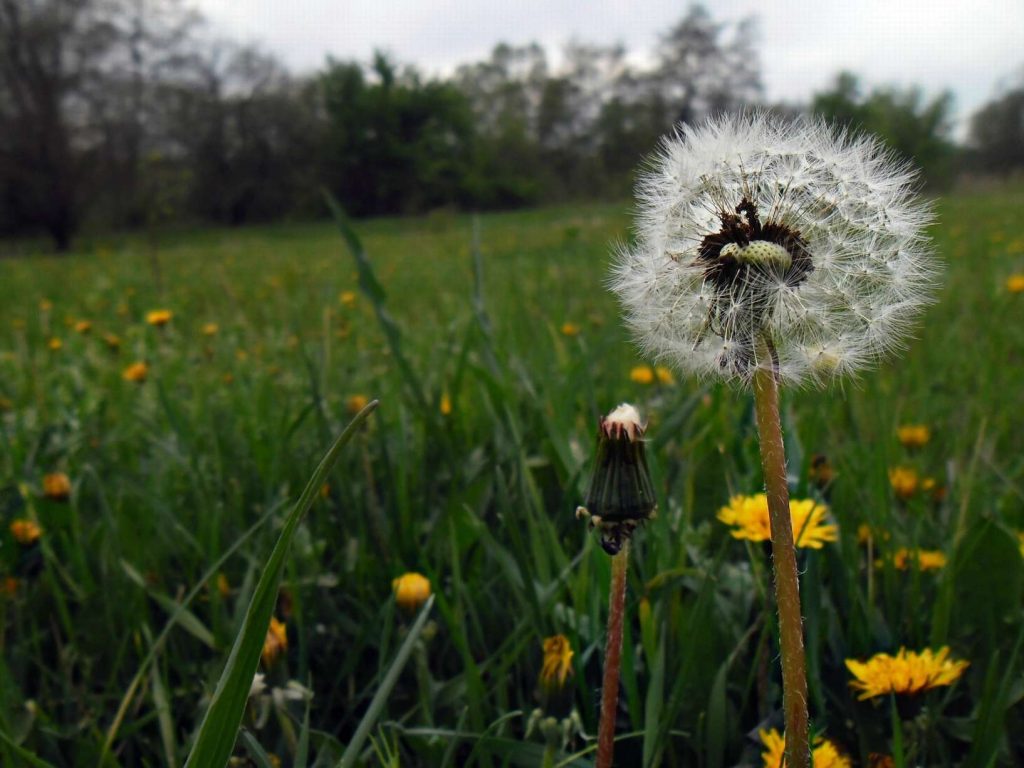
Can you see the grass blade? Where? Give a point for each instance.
(219, 729)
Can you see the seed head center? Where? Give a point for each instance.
(759, 252)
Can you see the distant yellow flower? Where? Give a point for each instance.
(55, 344)
(223, 585)
(347, 299)
(749, 517)
(866, 534)
(557, 665)
(113, 341)
(5, 404)
(411, 591)
(56, 486)
(159, 317)
(879, 760)
(9, 586)
(356, 403)
(1020, 538)
(275, 643)
(25, 531)
(642, 374)
(446, 405)
(906, 672)
(45, 305)
(570, 329)
(904, 481)
(1015, 283)
(210, 329)
(664, 375)
(913, 435)
(136, 372)
(824, 754)
(83, 326)
(926, 559)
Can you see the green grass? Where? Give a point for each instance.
(118, 629)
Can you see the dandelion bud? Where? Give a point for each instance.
(411, 591)
(621, 495)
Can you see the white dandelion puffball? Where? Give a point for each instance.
(789, 245)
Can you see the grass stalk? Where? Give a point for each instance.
(787, 585)
(612, 659)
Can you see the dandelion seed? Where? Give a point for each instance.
(749, 227)
(908, 672)
(56, 486)
(159, 317)
(411, 591)
(136, 372)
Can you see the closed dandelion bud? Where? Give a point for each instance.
(411, 591)
(621, 495)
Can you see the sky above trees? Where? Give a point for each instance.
(968, 47)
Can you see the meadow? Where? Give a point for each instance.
(493, 347)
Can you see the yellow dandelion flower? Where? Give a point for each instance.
(210, 329)
(904, 481)
(223, 585)
(748, 515)
(1020, 538)
(113, 341)
(356, 403)
(913, 435)
(823, 755)
(907, 672)
(136, 372)
(54, 344)
(45, 305)
(347, 299)
(275, 643)
(557, 665)
(159, 317)
(446, 405)
(664, 375)
(642, 374)
(56, 486)
(83, 326)
(570, 329)
(926, 559)
(411, 591)
(25, 531)
(1015, 283)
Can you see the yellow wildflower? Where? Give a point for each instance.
(25, 531)
(83, 326)
(356, 403)
(55, 344)
(557, 665)
(926, 559)
(446, 405)
(275, 643)
(411, 591)
(9, 586)
(5, 404)
(904, 481)
(824, 754)
(749, 517)
(159, 317)
(1020, 538)
(913, 435)
(664, 375)
(906, 672)
(347, 299)
(1015, 283)
(570, 329)
(223, 585)
(56, 486)
(210, 329)
(642, 374)
(45, 305)
(113, 341)
(136, 372)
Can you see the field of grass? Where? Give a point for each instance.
(491, 379)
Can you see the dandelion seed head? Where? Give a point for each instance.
(749, 226)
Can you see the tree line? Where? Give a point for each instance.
(131, 113)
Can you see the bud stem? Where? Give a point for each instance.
(787, 585)
(612, 660)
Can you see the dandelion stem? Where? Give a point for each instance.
(612, 659)
(787, 585)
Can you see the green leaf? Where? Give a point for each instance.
(219, 728)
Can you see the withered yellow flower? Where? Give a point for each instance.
(913, 435)
(824, 755)
(642, 374)
(276, 641)
(557, 665)
(136, 372)
(159, 317)
(748, 515)
(25, 531)
(56, 486)
(411, 591)
(907, 672)
(904, 481)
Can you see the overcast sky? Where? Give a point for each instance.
(967, 46)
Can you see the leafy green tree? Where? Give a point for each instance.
(997, 133)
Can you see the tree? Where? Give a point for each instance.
(997, 131)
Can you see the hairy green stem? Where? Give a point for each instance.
(787, 585)
(612, 660)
